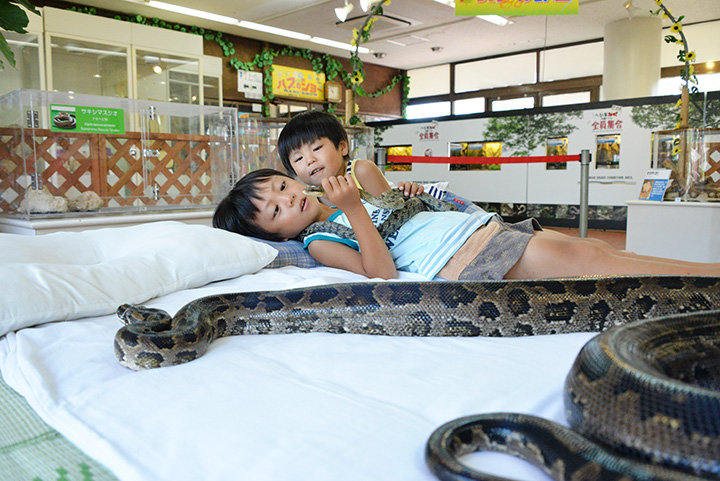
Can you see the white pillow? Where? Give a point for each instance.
(68, 275)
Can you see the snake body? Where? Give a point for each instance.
(648, 391)
(403, 209)
(152, 338)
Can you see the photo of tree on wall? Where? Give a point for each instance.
(522, 135)
(662, 116)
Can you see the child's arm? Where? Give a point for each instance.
(370, 177)
(374, 182)
(374, 259)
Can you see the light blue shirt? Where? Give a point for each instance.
(423, 244)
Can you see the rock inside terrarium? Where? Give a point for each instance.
(86, 201)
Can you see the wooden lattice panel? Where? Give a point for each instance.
(12, 170)
(181, 169)
(703, 166)
(176, 169)
(711, 166)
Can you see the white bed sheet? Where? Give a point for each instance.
(282, 407)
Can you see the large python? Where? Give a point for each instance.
(152, 338)
(403, 208)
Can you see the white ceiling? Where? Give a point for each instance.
(431, 24)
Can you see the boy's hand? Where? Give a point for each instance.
(410, 189)
(342, 192)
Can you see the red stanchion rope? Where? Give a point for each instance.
(411, 159)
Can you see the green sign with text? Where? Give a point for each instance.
(93, 120)
(516, 7)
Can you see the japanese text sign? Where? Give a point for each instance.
(97, 120)
(516, 7)
(293, 82)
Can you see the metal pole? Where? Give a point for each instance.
(381, 157)
(584, 183)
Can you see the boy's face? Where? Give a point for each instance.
(283, 208)
(319, 160)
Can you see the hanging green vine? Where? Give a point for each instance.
(685, 55)
(263, 61)
(321, 64)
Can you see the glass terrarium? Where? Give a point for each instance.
(66, 155)
(258, 143)
(693, 156)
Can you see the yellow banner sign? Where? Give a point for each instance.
(516, 7)
(294, 82)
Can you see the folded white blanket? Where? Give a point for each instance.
(284, 407)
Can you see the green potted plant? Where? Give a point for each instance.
(13, 19)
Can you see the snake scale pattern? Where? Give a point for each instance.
(403, 209)
(602, 399)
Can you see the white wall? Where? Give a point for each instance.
(532, 183)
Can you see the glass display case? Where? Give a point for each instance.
(693, 156)
(68, 155)
(28, 71)
(88, 67)
(167, 77)
(258, 142)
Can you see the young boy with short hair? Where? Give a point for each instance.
(314, 146)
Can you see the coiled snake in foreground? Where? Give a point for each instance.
(653, 384)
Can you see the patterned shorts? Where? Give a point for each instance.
(491, 251)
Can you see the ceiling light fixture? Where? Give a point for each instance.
(274, 30)
(368, 4)
(343, 12)
(192, 12)
(496, 19)
(254, 26)
(632, 10)
(333, 43)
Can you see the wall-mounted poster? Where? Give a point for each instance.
(298, 83)
(250, 83)
(404, 150)
(556, 146)
(607, 154)
(475, 149)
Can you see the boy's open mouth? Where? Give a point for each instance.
(316, 171)
(302, 204)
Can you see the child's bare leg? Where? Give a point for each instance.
(598, 242)
(624, 253)
(548, 256)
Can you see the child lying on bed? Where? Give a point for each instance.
(451, 245)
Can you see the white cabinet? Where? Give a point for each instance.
(87, 54)
(687, 231)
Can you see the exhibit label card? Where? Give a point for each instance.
(94, 120)
(655, 184)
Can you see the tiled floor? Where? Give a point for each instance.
(616, 238)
